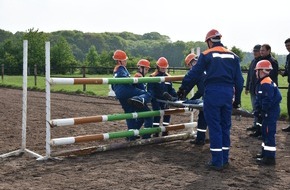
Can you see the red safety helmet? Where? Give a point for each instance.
(212, 34)
(143, 63)
(264, 65)
(162, 62)
(120, 55)
(189, 58)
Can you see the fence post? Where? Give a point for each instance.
(35, 75)
(2, 73)
(84, 76)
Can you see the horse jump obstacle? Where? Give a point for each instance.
(73, 121)
(23, 148)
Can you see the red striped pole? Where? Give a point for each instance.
(120, 134)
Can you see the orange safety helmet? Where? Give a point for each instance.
(212, 34)
(120, 55)
(189, 58)
(143, 63)
(264, 65)
(162, 62)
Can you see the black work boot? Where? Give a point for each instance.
(255, 134)
(259, 155)
(136, 102)
(197, 142)
(287, 129)
(252, 128)
(266, 161)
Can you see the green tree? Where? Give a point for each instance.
(62, 58)
(36, 48)
(92, 59)
(11, 55)
(238, 52)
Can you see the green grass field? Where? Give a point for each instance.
(102, 90)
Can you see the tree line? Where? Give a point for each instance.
(73, 49)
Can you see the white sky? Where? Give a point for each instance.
(242, 23)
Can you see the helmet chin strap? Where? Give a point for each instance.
(142, 71)
(259, 75)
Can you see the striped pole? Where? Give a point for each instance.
(114, 117)
(132, 80)
(120, 134)
(120, 145)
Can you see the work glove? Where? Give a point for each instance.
(236, 104)
(181, 94)
(168, 97)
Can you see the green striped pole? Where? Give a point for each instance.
(114, 117)
(120, 134)
(133, 80)
(120, 145)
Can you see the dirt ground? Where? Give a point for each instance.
(170, 165)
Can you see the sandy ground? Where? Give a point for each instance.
(170, 165)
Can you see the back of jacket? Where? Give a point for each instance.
(222, 69)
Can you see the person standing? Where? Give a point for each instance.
(267, 106)
(250, 89)
(287, 73)
(224, 80)
(129, 96)
(265, 52)
(158, 91)
(190, 61)
(143, 68)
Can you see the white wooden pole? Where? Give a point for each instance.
(24, 96)
(47, 96)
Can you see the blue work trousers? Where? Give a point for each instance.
(217, 112)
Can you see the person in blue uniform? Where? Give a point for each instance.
(190, 61)
(267, 106)
(130, 97)
(223, 83)
(143, 68)
(157, 90)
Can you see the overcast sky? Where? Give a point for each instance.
(242, 23)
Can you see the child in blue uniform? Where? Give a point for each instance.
(158, 89)
(143, 68)
(130, 97)
(267, 105)
(190, 62)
